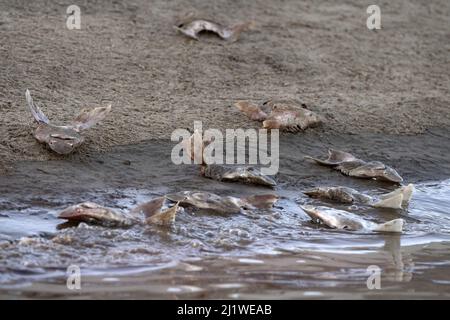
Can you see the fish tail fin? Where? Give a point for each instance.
(88, 118)
(236, 30)
(264, 201)
(38, 115)
(391, 226)
(165, 217)
(393, 202)
(407, 193)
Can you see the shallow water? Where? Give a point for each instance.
(276, 253)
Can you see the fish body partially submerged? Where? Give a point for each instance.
(284, 116)
(351, 166)
(344, 220)
(397, 199)
(64, 139)
(234, 173)
(94, 213)
(195, 146)
(192, 27)
(214, 203)
(153, 212)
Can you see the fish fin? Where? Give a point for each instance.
(252, 111)
(407, 193)
(265, 201)
(335, 157)
(88, 118)
(319, 161)
(149, 208)
(38, 115)
(393, 202)
(165, 217)
(395, 225)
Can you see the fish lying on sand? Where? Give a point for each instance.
(243, 174)
(64, 139)
(226, 173)
(213, 203)
(397, 199)
(354, 167)
(286, 116)
(192, 27)
(344, 220)
(152, 212)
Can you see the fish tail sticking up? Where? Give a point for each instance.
(391, 226)
(393, 202)
(165, 217)
(88, 118)
(149, 208)
(407, 193)
(38, 115)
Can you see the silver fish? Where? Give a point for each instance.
(354, 167)
(214, 203)
(344, 220)
(93, 213)
(155, 211)
(283, 116)
(64, 139)
(193, 27)
(244, 174)
(397, 199)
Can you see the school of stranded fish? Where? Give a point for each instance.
(280, 115)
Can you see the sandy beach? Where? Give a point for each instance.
(393, 81)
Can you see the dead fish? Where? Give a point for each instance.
(214, 203)
(244, 174)
(398, 199)
(193, 27)
(64, 139)
(344, 220)
(354, 167)
(284, 116)
(152, 212)
(93, 213)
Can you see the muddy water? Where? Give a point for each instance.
(276, 253)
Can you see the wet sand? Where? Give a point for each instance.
(396, 80)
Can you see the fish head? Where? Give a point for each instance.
(62, 140)
(377, 170)
(93, 213)
(86, 211)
